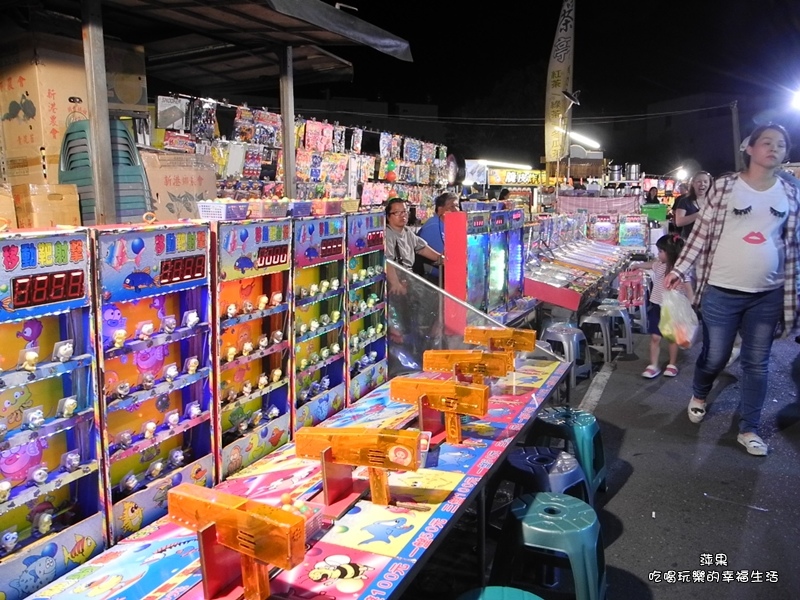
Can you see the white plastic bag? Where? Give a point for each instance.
(678, 322)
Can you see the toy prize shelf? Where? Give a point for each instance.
(318, 334)
(366, 304)
(252, 374)
(155, 366)
(50, 482)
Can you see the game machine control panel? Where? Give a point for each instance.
(366, 303)
(253, 295)
(318, 335)
(50, 477)
(154, 335)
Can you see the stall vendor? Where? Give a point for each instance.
(402, 245)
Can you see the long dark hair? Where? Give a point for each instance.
(671, 244)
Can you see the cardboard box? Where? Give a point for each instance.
(45, 206)
(43, 89)
(8, 216)
(178, 182)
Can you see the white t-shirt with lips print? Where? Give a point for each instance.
(750, 254)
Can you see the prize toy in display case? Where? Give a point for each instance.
(253, 371)
(318, 334)
(51, 504)
(366, 303)
(154, 352)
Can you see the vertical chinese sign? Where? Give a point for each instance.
(559, 80)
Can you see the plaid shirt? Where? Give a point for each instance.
(704, 239)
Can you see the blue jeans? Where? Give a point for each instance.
(754, 315)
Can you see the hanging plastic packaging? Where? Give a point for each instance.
(678, 322)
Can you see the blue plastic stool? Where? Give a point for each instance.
(556, 526)
(498, 593)
(581, 434)
(538, 469)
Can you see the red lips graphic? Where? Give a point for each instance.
(755, 237)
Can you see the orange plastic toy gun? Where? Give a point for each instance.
(478, 363)
(377, 449)
(256, 532)
(451, 397)
(501, 338)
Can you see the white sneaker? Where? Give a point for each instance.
(754, 444)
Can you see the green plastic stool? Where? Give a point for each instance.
(498, 593)
(555, 525)
(581, 433)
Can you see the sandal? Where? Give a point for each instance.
(651, 372)
(696, 410)
(671, 371)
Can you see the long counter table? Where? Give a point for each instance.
(372, 552)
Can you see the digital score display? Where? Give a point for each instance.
(269, 256)
(477, 222)
(500, 220)
(331, 247)
(374, 238)
(184, 268)
(38, 290)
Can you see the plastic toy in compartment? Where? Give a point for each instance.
(146, 330)
(169, 324)
(176, 458)
(63, 351)
(193, 410)
(191, 365)
(325, 383)
(263, 381)
(313, 289)
(313, 326)
(5, 490)
(71, 461)
(324, 286)
(303, 365)
(273, 413)
(277, 336)
(362, 274)
(28, 359)
(324, 353)
(247, 348)
(191, 319)
(256, 418)
(231, 311)
(122, 390)
(230, 354)
(313, 358)
(324, 320)
(38, 475)
(378, 328)
(172, 419)
(149, 429)
(129, 484)
(247, 388)
(354, 277)
(119, 337)
(335, 316)
(9, 540)
(43, 523)
(335, 284)
(276, 375)
(124, 439)
(335, 348)
(301, 327)
(148, 381)
(231, 394)
(247, 307)
(171, 372)
(155, 470)
(162, 403)
(262, 302)
(3, 429)
(33, 418)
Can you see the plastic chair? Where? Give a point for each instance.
(574, 346)
(603, 322)
(498, 593)
(620, 325)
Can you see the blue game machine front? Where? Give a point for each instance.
(154, 351)
(52, 516)
(497, 292)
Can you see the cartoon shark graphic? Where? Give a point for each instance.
(181, 548)
(139, 280)
(384, 531)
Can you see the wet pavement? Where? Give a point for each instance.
(688, 514)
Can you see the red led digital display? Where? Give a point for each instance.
(272, 255)
(184, 268)
(331, 247)
(499, 220)
(38, 290)
(374, 238)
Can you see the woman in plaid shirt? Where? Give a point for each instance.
(744, 247)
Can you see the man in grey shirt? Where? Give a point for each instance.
(402, 244)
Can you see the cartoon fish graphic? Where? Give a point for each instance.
(132, 517)
(311, 253)
(7, 304)
(81, 551)
(243, 263)
(139, 280)
(384, 531)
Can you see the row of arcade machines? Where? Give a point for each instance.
(113, 391)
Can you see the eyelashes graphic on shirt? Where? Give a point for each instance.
(746, 211)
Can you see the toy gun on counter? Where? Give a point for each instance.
(478, 363)
(502, 339)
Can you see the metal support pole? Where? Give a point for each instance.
(100, 131)
(287, 120)
(738, 161)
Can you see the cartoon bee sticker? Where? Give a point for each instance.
(337, 567)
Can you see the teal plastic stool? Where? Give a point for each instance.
(498, 593)
(581, 434)
(555, 526)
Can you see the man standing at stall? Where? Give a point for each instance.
(432, 231)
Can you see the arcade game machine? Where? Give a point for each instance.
(366, 304)
(252, 271)
(318, 334)
(50, 478)
(466, 273)
(155, 365)
(497, 290)
(516, 257)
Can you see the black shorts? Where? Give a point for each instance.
(653, 318)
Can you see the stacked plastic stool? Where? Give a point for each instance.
(603, 322)
(620, 325)
(561, 530)
(574, 347)
(498, 593)
(581, 435)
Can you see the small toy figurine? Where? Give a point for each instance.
(173, 419)
(39, 475)
(148, 381)
(155, 469)
(362, 335)
(65, 352)
(72, 461)
(315, 389)
(242, 427)
(232, 310)
(378, 270)
(263, 382)
(354, 277)
(9, 540)
(370, 332)
(263, 342)
(277, 336)
(176, 457)
(362, 306)
(276, 375)
(355, 341)
(335, 348)
(191, 365)
(313, 358)
(192, 319)
(169, 324)
(324, 353)
(194, 410)
(123, 389)
(255, 418)
(149, 430)
(247, 307)
(273, 413)
(119, 338)
(44, 523)
(302, 328)
(129, 484)
(304, 396)
(303, 364)
(325, 383)
(247, 388)
(373, 356)
(146, 330)
(262, 302)
(171, 373)
(277, 298)
(313, 289)
(370, 302)
(247, 348)
(5, 490)
(68, 407)
(378, 328)
(124, 439)
(324, 285)
(231, 395)
(3, 430)
(35, 418)
(362, 274)
(335, 316)
(370, 272)
(31, 358)
(324, 320)
(314, 325)
(304, 292)
(231, 354)
(335, 283)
